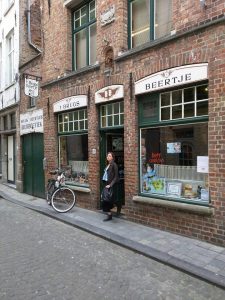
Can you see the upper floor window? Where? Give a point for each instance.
(149, 20)
(10, 58)
(84, 36)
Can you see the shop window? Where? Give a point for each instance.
(169, 165)
(112, 115)
(149, 20)
(84, 36)
(170, 151)
(73, 153)
(73, 146)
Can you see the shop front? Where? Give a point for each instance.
(31, 131)
(111, 119)
(72, 129)
(173, 131)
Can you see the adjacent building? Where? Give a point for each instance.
(9, 88)
(144, 79)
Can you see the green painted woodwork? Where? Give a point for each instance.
(33, 175)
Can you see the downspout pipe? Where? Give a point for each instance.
(29, 29)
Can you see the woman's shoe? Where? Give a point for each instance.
(108, 218)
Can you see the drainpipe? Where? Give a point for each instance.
(29, 30)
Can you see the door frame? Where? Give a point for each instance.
(103, 151)
(12, 180)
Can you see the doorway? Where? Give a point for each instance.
(33, 173)
(11, 159)
(113, 141)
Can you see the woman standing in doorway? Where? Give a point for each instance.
(110, 178)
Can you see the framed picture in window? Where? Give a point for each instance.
(174, 189)
(158, 185)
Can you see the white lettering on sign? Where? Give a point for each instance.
(171, 78)
(70, 103)
(31, 87)
(31, 122)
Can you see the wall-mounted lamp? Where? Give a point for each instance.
(202, 3)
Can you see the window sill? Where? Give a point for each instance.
(73, 74)
(169, 38)
(79, 188)
(197, 209)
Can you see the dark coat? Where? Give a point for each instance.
(113, 178)
(112, 172)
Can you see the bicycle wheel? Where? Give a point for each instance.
(63, 199)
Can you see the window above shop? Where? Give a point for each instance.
(176, 105)
(84, 35)
(112, 114)
(184, 103)
(74, 121)
(149, 20)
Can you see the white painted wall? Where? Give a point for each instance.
(9, 22)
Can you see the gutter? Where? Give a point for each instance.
(29, 30)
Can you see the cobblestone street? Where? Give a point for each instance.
(42, 258)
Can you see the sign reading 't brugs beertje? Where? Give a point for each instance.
(171, 78)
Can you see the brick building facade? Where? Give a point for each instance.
(112, 83)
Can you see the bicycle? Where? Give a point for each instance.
(59, 196)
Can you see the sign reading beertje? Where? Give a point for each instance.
(69, 103)
(171, 78)
(31, 121)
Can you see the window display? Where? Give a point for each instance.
(169, 156)
(73, 153)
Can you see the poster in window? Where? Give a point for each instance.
(174, 147)
(155, 185)
(174, 189)
(117, 143)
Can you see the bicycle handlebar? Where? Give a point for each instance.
(56, 172)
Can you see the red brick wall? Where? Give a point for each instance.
(205, 45)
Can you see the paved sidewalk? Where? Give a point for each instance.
(198, 258)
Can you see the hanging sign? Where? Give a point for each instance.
(31, 87)
(31, 121)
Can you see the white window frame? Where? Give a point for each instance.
(10, 58)
(182, 104)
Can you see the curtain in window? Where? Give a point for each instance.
(80, 49)
(140, 13)
(92, 42)
(162, 18)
